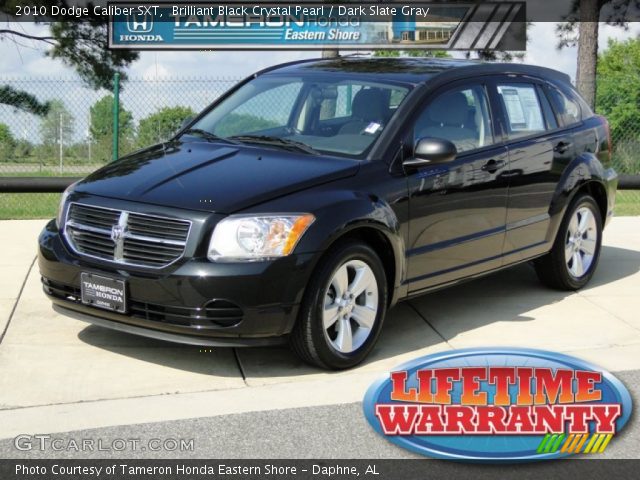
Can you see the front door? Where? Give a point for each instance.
(457, 209)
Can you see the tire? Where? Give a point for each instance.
(576, 250)
(355, 319)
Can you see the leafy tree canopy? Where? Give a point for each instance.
(101, 115)
(22, 100)
(80, 45)
(612, 12)
(161, 125)
(57, 121)
(618, 86)
(7, 143)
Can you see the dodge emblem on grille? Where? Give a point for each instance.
(117, 232)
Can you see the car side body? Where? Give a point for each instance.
(498, 203)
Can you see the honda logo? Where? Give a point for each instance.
(140, 23)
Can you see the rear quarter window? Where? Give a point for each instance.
(567, 107)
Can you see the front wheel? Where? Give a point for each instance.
(576, 250)
(343, 309)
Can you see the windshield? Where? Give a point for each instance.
(315, 113)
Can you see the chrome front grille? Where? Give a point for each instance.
(125, 237)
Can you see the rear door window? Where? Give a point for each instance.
(522, 109)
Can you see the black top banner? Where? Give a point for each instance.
(614, 11)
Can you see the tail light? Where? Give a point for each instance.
(608, 131)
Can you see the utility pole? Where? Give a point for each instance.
(330, 53)
(89, 144)
(116, 115)
(60, 138)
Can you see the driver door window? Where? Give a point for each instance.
(460, 116)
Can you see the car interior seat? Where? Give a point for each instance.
(448, 117)
(368, 107)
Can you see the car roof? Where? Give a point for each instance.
(412, 70)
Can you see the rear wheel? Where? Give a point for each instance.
(576, 250)
(343, 309)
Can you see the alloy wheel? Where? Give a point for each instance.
(350, 306)
(581, 242)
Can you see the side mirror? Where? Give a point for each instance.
(430, 151)
(185, 122)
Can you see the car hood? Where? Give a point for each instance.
(212, 177)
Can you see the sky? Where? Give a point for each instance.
(24, 65)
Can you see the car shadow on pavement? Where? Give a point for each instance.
(423, 325)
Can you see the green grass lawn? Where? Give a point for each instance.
(28, 205)
(45, 205)
(627, 203)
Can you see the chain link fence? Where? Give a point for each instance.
(75, 136)
(618, 99)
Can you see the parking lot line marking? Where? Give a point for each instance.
(15, 305)
(240, 367)
(429, 323)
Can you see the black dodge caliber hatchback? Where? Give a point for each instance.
(315, 195)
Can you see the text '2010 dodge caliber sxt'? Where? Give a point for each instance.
(315, 195)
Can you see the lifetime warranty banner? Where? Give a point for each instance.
(243, 26)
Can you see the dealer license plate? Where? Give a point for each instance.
(103, 292)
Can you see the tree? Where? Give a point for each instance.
(58, 125)
(101, 115)
(23, 149)
(581, 29)
(162, 124)
(101, 128)
(22, 100)
(7, 143)
(81, 45)
(618, 98)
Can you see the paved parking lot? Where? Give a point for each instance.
(58, 374)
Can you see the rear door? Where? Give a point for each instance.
(539, 150)
(457, 209)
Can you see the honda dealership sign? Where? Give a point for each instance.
(490, 25)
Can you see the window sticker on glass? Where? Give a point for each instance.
(514, 107)
(372, 128)
(523, 109)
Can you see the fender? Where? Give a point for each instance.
(339, 212)
(584, 169)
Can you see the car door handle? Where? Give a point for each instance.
(492, 166)
(562, 147)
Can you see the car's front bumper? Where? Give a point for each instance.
(171, 305)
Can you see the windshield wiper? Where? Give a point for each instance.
(212, 137)
(277, 142)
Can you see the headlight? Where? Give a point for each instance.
(63, 202)
(246, 238)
